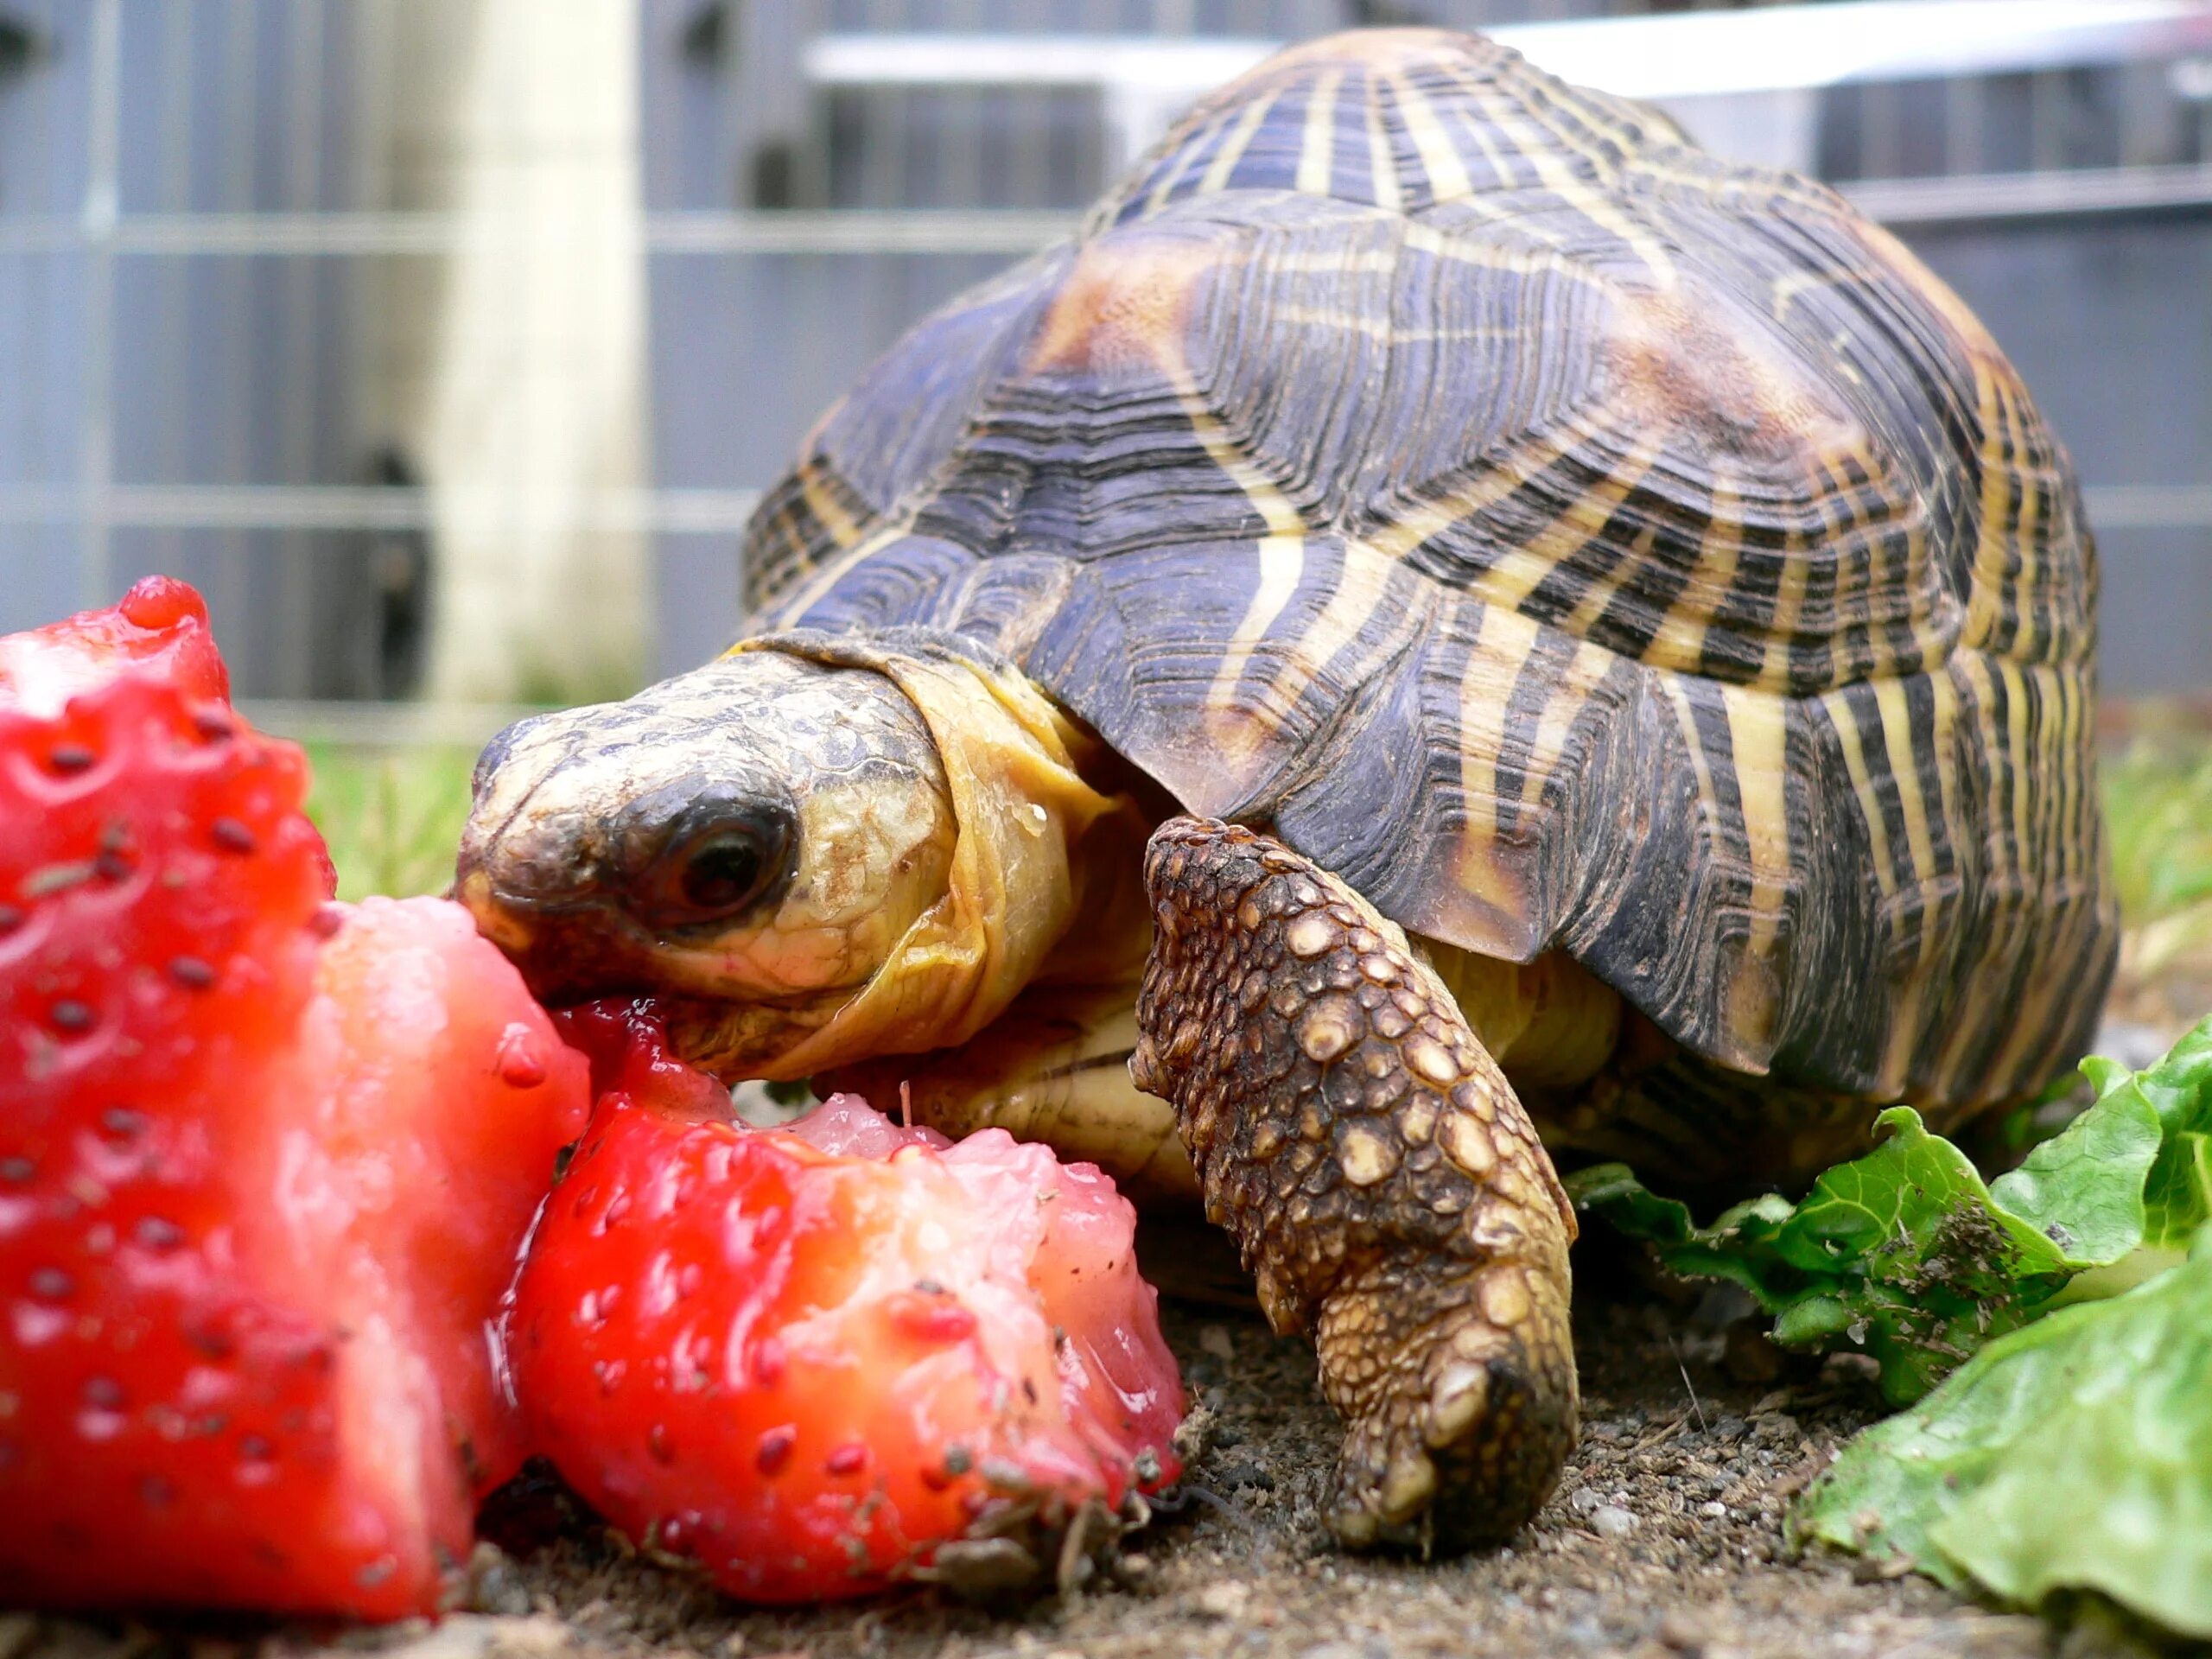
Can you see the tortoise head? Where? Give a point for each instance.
(752, 839)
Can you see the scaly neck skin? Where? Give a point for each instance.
(1110, 932)
(1021, 897)
(1549, 1023)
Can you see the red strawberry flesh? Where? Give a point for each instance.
(259, 1192)
(160, 628)
(809, 1359)
(438, 1096)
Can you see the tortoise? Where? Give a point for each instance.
(1620, 630)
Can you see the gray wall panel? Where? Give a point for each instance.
(2110, 322)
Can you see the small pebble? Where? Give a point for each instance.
(495, 1585)
(1612, 1522)
(1223, 1601)
(1749, 1356)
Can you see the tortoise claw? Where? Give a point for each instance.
(1463, 1408)
(1379, 1177)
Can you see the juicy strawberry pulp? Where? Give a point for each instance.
(160, 629)
(432, 1097)
(808, 1359)
(259, 1194)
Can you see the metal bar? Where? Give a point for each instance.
(334, 507)
(341, 235)
(872, 230)
(1965, 113)
(237, 195)
(1770, 48)
(469, 725)
(1881, 130)
(384, 725)
(173, 346)
(96, 439)
(2046, 112)
(299, 309)
(884, 58)
(2066, 194)
(1975, 196)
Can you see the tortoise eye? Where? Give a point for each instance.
(721, 874)
(722, 859)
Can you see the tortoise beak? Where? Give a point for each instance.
(505, 924)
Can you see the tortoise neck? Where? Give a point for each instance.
(1019, 877)
(1550, 1023)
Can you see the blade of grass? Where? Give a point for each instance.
(392, 817)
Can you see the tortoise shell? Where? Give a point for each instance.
(1567, 538)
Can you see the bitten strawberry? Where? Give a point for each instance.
(815, 1360)
(160, 628)
(264, 1162)
(438, 1095)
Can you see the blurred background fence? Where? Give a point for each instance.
(445, 343)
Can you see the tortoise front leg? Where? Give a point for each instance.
(1378, 1175)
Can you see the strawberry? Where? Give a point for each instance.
(439, 1096)
(264, 1162)
(810, 1360)
(160, 628)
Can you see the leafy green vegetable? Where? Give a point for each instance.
(1905, 1254)
(2177, 1198)
(2073, 1450)
(2074, 1453)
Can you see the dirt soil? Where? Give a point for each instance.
(1664, 1539)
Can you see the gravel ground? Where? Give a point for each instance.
(1664, 1539)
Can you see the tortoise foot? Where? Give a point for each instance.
(1378, 1175)
(1459, 1392)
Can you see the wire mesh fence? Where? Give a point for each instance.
(447, 343)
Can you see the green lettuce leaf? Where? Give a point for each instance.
(1906, 1255)
(2074, 1453)
(2177, 1198)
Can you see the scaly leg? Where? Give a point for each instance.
(1378, 1175)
